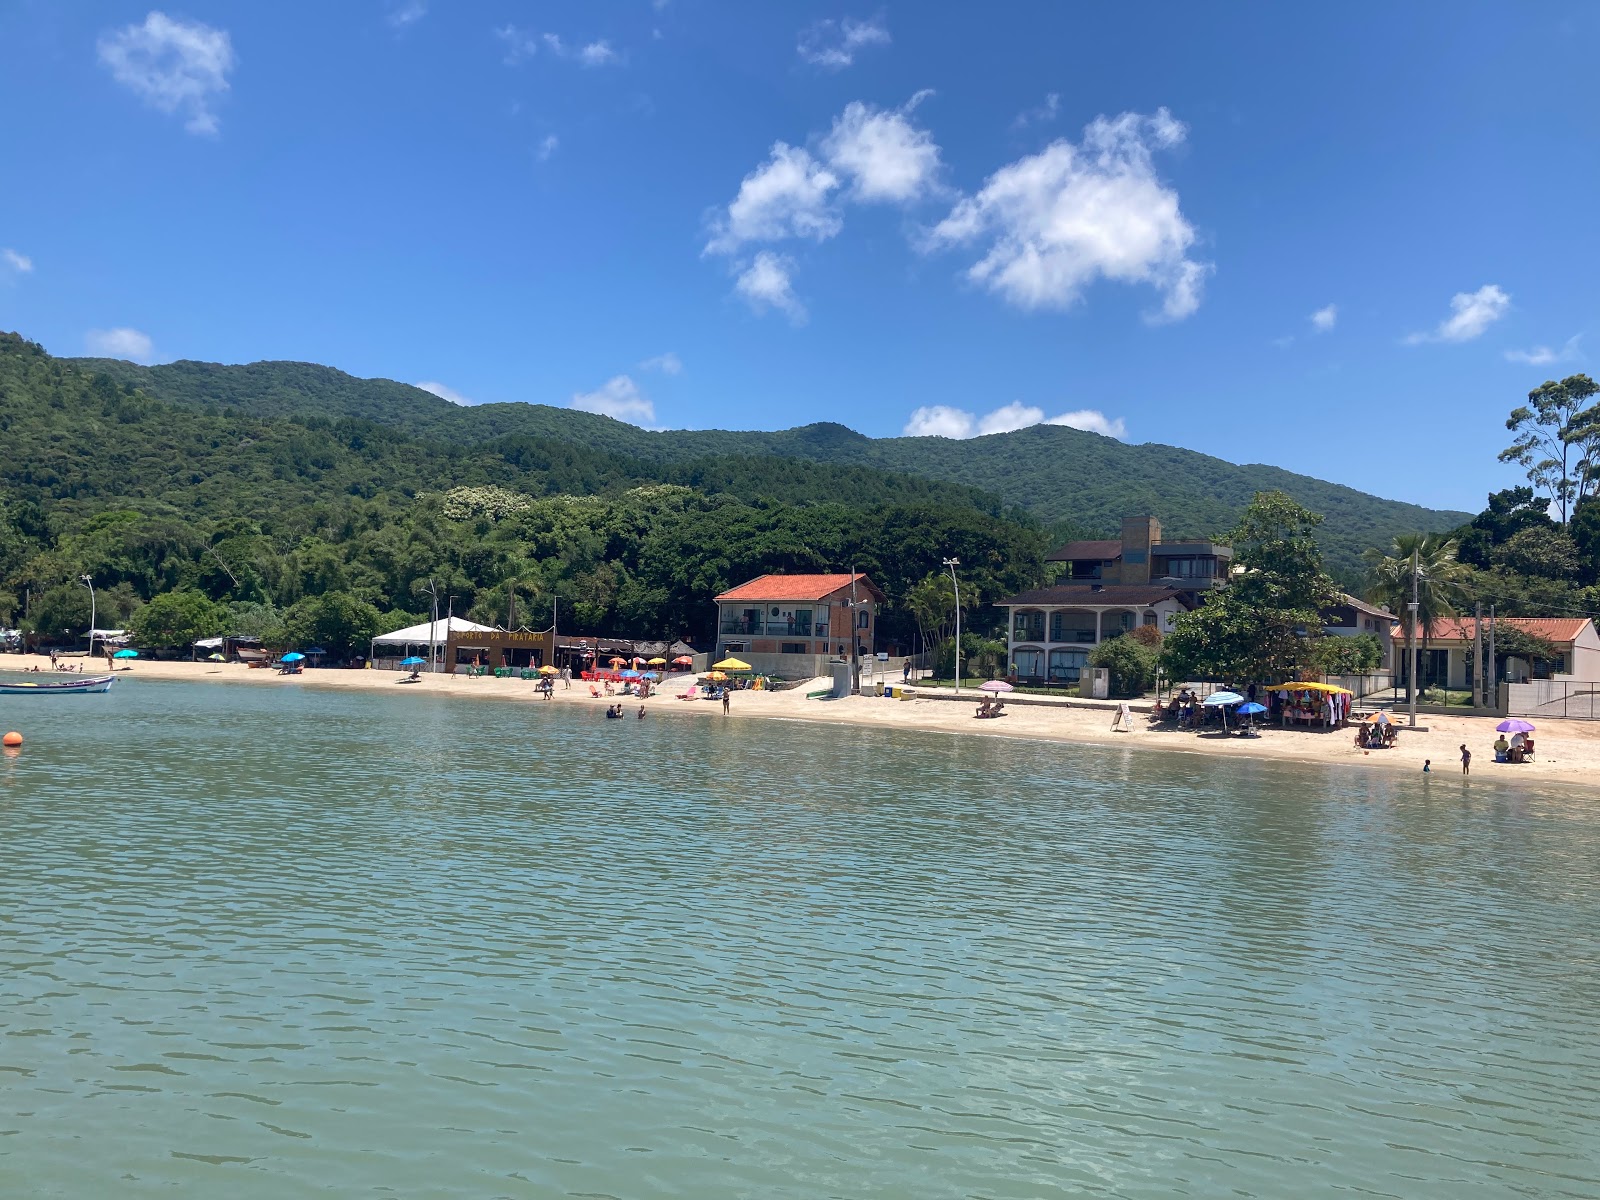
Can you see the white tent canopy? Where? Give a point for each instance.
(430, 632)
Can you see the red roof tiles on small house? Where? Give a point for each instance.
(1459, 629)
(799, 587)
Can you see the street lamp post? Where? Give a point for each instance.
(1415, 657)
(433, 629)
(89, 583)
(953, 563)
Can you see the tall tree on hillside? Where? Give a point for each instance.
(1558, 440)
(1429, 559)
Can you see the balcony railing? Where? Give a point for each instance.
(757, 627)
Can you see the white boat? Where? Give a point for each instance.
(55, 687)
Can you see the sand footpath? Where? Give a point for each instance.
(1568, 751)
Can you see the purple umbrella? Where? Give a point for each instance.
(1515, 725)
(995, 685)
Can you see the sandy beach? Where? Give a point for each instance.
(1568, 751)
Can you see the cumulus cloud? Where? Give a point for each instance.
(832, 45)
(407, 13)
(1325, 319)
(547, 147)
(668, 364)
(1470, 314)
(767, 282)
(120, 343)
(882, 152)
(597, 54)
(787, 196)
(941, 420)
(1061, 219)
(1048, 111)
(444, 392)
(618, 397)
(16, 261)
(1541, 356)
(173, 66)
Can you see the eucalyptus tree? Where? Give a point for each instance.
(1558, 440)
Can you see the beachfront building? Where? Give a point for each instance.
(1447, 655)
(1051, 630)
(426, 640)
(794, 625)
(1106, 588)
(1352, 617)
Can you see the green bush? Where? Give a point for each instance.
(1132, 666)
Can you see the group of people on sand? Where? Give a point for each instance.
(1518, 749)
(990, 708)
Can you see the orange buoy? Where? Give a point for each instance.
(12, 739)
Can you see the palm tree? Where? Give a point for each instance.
(1439, 579)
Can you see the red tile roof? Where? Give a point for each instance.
(799, 587)
(1551, 629)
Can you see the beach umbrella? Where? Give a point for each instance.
(617, 662)
(1515, 725)
(1252, 708)
(292, 656)
(995, 685)
(716, 676)
(215, 657)
(683, 660)
(630, 675)
(548, 670)
(126, 654)
(413, 661)
(1222, 700)
(731, 664)
(652, 676)
(1378, 718)
(657, 662)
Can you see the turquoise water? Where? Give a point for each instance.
(275, 942)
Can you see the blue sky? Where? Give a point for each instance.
(939, 217)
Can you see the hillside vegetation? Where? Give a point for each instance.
(1081, 482)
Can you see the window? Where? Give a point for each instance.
(1029, 625)
(733, 648)
(1028, 664)
(1067, 665)
(863, 619)
(1149, 618)
(793, 648)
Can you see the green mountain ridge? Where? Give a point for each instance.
(1081, 482)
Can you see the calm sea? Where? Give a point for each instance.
(277, 942)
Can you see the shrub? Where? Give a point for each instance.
(1132, 665)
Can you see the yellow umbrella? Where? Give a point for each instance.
(731, 664)
(1315, 687)
(657, 662)
(548, 671)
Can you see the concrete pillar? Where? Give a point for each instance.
(1099, 620)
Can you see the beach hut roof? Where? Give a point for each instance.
(430, 631)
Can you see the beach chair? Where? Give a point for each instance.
(692, 694)
(594, 691)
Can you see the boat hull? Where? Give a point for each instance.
(57, 687)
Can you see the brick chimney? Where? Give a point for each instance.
(1139, 536)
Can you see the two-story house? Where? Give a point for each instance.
(773, 620)
(1108, 587)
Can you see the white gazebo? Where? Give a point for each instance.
(432, 634)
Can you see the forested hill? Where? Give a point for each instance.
(1065, 477)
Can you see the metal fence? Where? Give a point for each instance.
(1554, 698)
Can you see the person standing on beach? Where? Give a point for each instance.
(566, 679)
(724, 701)
(1427, 766)
(1466, 760)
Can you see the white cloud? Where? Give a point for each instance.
(766, 283)
(785, 197)
(1058, 220)
(1092, 420)
(941, 420)
(444, 392)
(597, 54)
(618, 397)
(1541, 356)
(883, 152)
(832, 45)
(1048, 111)
(668, 364)
(172, 65)
(18, 262)
(548, 146)
(1325, 319)
(120, 343)
(520, 43)
(408, 12)
(1470, 314)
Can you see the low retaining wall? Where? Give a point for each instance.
(974, 696)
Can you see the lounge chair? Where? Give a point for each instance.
(594, 691)
(692, 694)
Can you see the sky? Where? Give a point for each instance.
(1345, 240)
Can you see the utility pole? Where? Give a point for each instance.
(1477, 652)
(89, 583)
(855, 638)
(1494, 665)
(953, 563)
(1411, 699)
(433, 629)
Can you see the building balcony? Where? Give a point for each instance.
(739, 627)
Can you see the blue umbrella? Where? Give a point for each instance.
(126, 654)
(1251, 709)
(413, 661)
(292, 656)
(629, 675)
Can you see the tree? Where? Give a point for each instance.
(1546, 553)
(1558, 440)
(1427, 560)
(1511, 642)
(60, 614)
(1510, 511)
(1259, 626)
(1584, 529)
(338, 622)
(1347, 655)
(176, 620)
(1132, 665)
